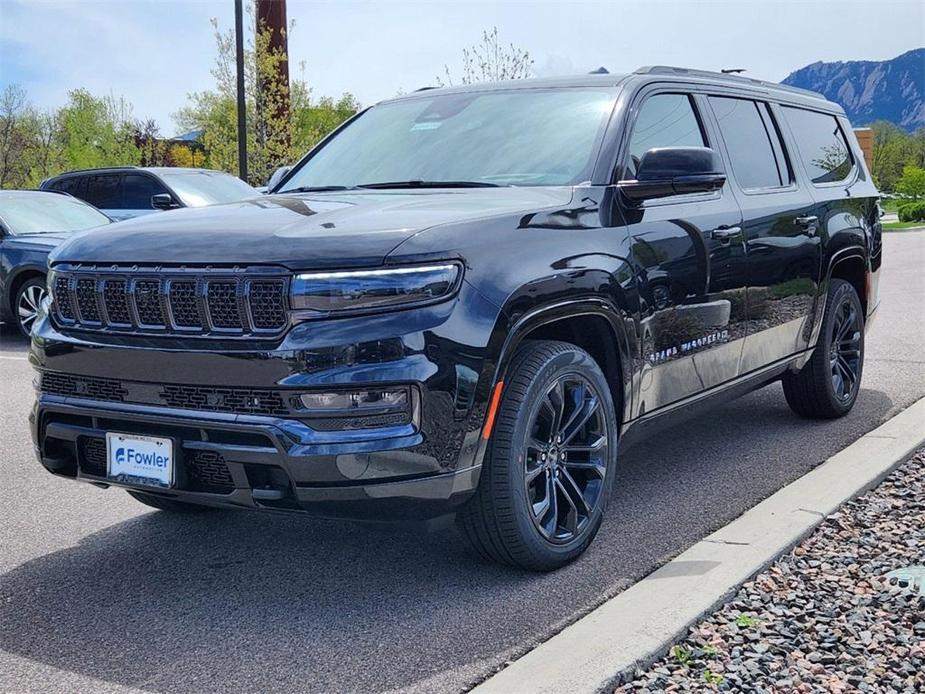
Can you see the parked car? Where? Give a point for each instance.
(31, 224)
(464, 300)
(130, 191)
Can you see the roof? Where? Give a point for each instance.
(150, 169)
(647, 73)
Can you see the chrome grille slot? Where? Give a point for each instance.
(222, 302)
(184, 304)
(209, 302)
(87, 307)
(148, 302)
(115, 301)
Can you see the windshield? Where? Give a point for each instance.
(201, 188)
(526, 137)
(47, 213)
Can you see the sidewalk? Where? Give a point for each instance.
(821, 617)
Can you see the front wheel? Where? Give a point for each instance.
(827, 386)
(27, 303)
(549, 469)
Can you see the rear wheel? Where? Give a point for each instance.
(549, 469)
(165, 504)
(828, 385)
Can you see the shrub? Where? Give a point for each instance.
(912, 212)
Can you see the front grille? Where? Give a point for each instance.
(83, 387)
(91, 455)
(207, 472)
(217, 399)
(182, 301)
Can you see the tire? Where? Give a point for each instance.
(165, 504)
(820, 390)
(505, 521)
(27, 302)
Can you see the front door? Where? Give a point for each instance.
(689, 255)
(783, 247)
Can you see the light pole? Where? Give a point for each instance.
(242, 115)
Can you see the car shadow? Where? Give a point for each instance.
(239, 601)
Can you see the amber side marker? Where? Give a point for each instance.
(492, 410)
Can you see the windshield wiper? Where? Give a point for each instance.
(429, 184)
(315, 189)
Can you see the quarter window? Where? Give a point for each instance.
(822, 144)
(749, 143)
(665, 120)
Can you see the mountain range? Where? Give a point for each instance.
(870, 90)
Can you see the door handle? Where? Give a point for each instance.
(808, 222)
(725, 233)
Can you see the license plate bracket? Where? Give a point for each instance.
(139, 460)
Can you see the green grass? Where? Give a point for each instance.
(902, 226)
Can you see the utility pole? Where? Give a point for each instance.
(273, 89)
(242, 114)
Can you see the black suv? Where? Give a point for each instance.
(463, 299)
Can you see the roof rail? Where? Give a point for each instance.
(725, 76)
(424, 89)
(127, 167)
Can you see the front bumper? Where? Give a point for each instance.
(419, 469)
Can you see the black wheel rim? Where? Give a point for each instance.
(565, 459)
(845, 350)
(27, 309)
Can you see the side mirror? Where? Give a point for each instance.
(163, 201)
(276, 177)
(666, 171)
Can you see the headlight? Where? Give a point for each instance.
(369, 290)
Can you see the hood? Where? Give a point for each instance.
(41, 241)
(298, 231)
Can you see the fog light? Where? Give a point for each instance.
(353, 401)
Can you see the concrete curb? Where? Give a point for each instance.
(638, 625)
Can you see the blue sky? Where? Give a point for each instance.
(154, 52)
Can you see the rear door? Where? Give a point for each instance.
(781, 231)
(689, 254)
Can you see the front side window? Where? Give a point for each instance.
(104, 191)
(137, 190)
(523, 137)
(665, 120)
(201, 188)
(822, 144)
(749, 143)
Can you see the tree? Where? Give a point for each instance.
(16, 131)
(280, 136)
(912, 182)
(97, 132)
(490, 61)
(893, 149)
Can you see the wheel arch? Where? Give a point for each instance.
(16, 281)
(850, 264)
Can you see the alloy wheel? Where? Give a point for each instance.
(27, 309)
(845, 350)
(565, 458)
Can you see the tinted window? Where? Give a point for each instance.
(137, 190)
(523, 137)
(822, 145)
(74, 185)
(665, 120)
(103, 191)
(748, 142)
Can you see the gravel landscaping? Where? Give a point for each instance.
(824, 617)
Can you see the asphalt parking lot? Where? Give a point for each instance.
(99, 593)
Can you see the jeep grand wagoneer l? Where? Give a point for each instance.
(463, 300)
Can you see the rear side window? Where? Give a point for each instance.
(822, 144)
(76, 186)
(104, 191)
(752, 143)
(137, 190)
(665, 120)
